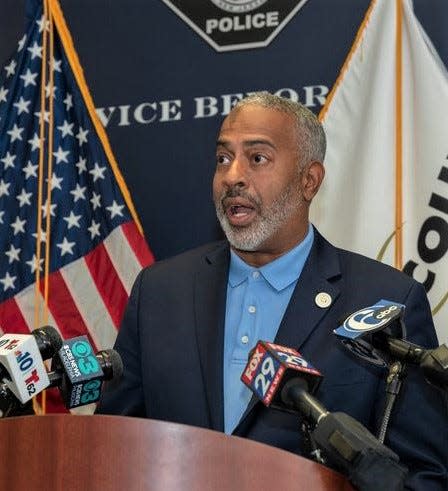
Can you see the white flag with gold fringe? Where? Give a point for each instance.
(386, 190)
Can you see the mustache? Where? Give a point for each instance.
(237, 192)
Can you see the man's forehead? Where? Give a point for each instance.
(258, 123)
(256, 111)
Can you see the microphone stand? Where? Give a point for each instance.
(394, 383)
(10, 406)
(311, 447)
(338, 440)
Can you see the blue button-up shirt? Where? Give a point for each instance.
(256, 302)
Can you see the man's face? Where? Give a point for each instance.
(257, 184)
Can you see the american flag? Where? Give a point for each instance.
(96, 247)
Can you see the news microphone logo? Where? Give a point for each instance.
(22, 367)
(270, 364)
(370, 319)
(82, 372)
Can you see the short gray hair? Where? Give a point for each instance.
(312, 141)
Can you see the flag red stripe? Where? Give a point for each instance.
(138, 243)
(53, 402)
(107, 282)
(12, 319)
(64, 310)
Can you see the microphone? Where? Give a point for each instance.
(22, 370)
(281, 378)
(271, 365)
(79, 373)
(360, 330)
(377, 332)
(11, 406)
(48, 341)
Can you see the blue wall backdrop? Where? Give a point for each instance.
(162, 90)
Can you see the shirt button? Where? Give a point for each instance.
(255, 275)
(245, 339)
(252, 309)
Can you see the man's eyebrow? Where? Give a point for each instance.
(222, 143)
(247, 143)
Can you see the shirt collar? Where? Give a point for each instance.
(279, 273)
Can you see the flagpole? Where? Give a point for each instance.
(399, 137)
(37, 303)
(49, 163)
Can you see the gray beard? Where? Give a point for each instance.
(264, 227)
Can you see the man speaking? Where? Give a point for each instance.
(193, 319)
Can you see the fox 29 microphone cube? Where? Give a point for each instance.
(82, 373)
(270, 366)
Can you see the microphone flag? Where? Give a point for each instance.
(82, 373)
(271, 365)
(371, 319)
(21, 366)
(359, 329)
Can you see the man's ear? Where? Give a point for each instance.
(312, 177)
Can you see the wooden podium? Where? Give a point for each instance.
(90, 453)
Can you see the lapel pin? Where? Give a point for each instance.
(323, 300)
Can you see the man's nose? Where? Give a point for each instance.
(236, 174)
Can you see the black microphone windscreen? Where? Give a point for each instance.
(48, 340)
(111, 364)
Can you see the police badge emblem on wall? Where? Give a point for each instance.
(229, 25)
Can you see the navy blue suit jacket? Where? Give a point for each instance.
(171, 342)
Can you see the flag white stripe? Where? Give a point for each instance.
(123, 258)
(89, 303)
(26, 301)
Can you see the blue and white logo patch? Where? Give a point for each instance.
(370, 319)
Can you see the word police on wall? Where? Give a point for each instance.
(236, 24)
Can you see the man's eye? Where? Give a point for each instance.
(222, 159)
(259, 159)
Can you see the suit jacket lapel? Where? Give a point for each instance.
(303, 313)
(210, 289)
